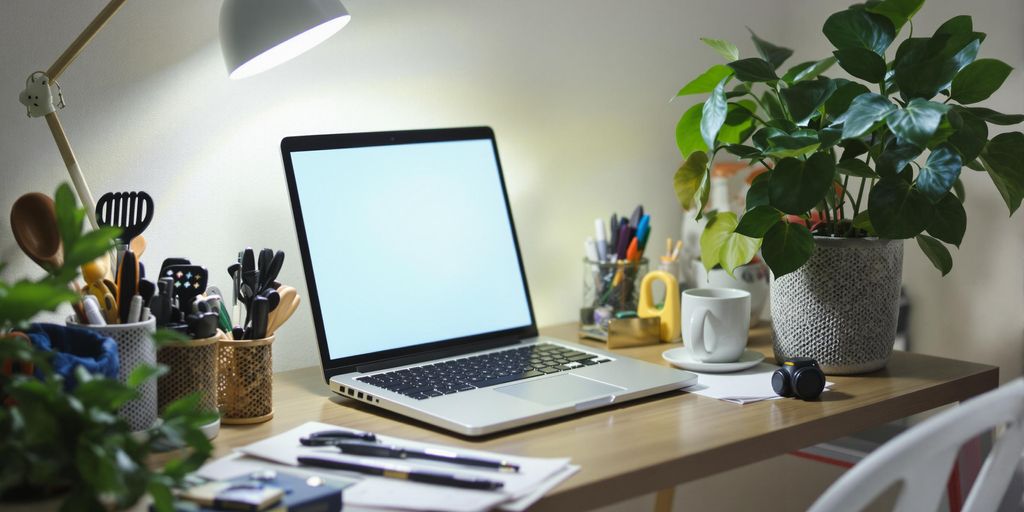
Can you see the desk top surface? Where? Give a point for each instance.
(646, 445)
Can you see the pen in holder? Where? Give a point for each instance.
(245, 380)
(612, 285)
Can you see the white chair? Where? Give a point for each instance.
(922, 458)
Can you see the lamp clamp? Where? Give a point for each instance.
(39, 96)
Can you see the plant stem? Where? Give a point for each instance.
(785, 109)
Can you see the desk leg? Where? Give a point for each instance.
(663, 500)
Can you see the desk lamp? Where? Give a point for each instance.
(255, 35)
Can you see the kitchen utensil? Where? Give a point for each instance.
(138, 246)
(189, 282)
(109, 306)
(161, 305)
(222, 309)
(134, 310)
(147, 289)
(202, 325)
(269, 273)
(263, 263)
(130, 211)
(92, 311)
(249, 276)
(289, 303)
(34, 223)
(172, 261)
(260, 314)
(127, 283)
(272, 296)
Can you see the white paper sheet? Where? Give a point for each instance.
(743, 387)
(372, 491)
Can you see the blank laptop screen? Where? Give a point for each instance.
(409, 244)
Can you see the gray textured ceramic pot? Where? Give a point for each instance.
(840, 307)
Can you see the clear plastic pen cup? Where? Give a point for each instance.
(614, 285)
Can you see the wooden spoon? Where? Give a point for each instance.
(34, 223)
(289, 303)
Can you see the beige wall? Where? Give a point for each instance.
(577, 92)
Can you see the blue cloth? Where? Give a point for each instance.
(73, 347)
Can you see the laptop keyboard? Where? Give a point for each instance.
(482, 370)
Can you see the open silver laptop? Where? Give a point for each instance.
(418, 291)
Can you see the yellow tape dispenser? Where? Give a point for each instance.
(669, 312)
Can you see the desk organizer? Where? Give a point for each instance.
(245, 380)
(192, 367)
(135, 346)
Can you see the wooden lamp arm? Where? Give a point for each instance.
(83, 39)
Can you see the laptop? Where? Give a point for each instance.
(419, 297)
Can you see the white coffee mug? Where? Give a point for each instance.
(716, 322)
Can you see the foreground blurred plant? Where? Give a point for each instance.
(54, 442)
(827, 141)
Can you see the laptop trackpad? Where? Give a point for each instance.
(560, 389)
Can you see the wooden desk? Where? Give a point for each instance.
(648, 445)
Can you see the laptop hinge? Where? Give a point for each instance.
(437, 354)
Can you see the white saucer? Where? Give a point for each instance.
(680, 357)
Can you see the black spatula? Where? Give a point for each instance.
(130, 211)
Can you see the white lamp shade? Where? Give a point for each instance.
(256, 35)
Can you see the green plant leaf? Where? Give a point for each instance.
(936, 253)
(958, 188)
(896, 156)
(739, 123)
(1004, 160)
(713, 238)
(753, 70)
(898, 210)
(69, 217)
(857, 28)
(688, 137)
(723, 47)
(744, 152)
(917, 122)
(774, 55)
(807, 70)
(949, 220)
(758, 194)
(994, 117)
(862, 63)
(804, 98)
(846, 92)
(898, 11)
(799, 143)
(106, 394)
(707, 81)
(866, 110)
(939, 173)
(713, 114)
(738, 250)
(863, 221)
(978, 80)
(925, 66)
(797, 186)
(700, 199)
(854, 167)
(772, 105)
(830, 136)
(758, 220)
(956, 25)
(23, 299)
(786, 247)
(144, 372)
(90, 246)
(688, 177)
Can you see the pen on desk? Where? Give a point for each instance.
(427, 477)
(643, 230)
(623, 242)
(330, 437)
(613, 230)
(395, 452)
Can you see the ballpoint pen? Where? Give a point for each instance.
(427, 477)
(329, 437)
(395, 452)
(601, 239)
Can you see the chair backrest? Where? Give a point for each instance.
(922, 457)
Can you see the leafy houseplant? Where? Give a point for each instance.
(73, 443)
(878, 160)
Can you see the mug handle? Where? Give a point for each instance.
(696, 339)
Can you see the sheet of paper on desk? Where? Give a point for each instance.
(743, 387)
(385, 492)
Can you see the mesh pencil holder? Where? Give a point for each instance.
(192, 367)
(245, 380)
(135, 346)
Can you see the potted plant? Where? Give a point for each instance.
(67, 443)
(856, 167)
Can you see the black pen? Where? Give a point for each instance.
(427, 477)
(395, 452)
(332, 437)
